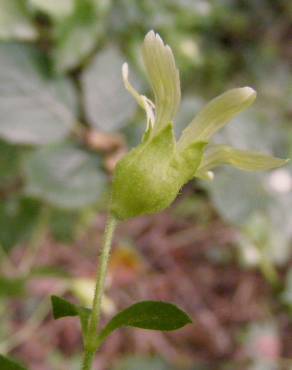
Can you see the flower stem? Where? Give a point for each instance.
(90, 339)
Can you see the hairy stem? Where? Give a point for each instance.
(94, 319)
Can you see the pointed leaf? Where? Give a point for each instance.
(152, 315)
(216, 114)
(244, 160)
(7, 364)
(63, 308)
(163, 77)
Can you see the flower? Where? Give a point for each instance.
(150, 176)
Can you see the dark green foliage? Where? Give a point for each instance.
(7, 364)
(10, 287)
(18, 217)
(63, 308)
(152, 315)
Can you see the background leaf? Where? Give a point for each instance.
(9, 164)
(64, 176)
(230, 186)
(15, 22)
(7, 364)
(54, 8)
(108, 105)
(10, 287)
(76, 36)
(41, 116)
(19, 215)
(152, 315)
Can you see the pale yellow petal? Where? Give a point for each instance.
(217, 114)
(142, 100)
(244, 160)
(163, 77)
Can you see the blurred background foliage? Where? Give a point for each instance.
(66, 120)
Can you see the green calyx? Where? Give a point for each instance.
(148, 178)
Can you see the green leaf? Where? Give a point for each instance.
(64, 176)
(19, 216)
(63, 308)
(108, 106)
(76, 36)
(217, 114)
(10, 287)
(54, 8)
(7, 364)
(9, 164)
(152, 315)
(65, 225)
(15, 22)
(33, 110)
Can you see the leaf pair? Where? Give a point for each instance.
(152, 315)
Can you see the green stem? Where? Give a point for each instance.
(90, 339)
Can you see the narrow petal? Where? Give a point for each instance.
(142, 100)
(218, 155)
(163, 77)
(217, 114)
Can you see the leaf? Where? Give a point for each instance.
(10, 287)
(64, 176)
(9, 164)
(230, 187)
(152, 315)
(63, 308)
(15, 22)
(54, 8)
(32, 108)
(7, 364)
(19, 216)
(76, 36)
(108, 105)
(65, 225)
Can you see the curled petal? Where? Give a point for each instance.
(163, 77)
(142, 100)
(218, 155)
(217, 114)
